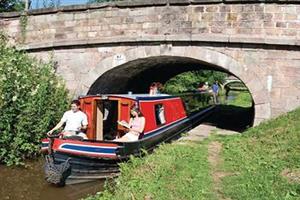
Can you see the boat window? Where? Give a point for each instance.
(160, 114)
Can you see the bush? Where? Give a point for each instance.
(189, 81)
(32, 100)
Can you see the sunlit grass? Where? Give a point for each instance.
(241, 99)
(254, 163)
(258, 158)
(174, 171)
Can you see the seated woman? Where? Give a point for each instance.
(136, 126)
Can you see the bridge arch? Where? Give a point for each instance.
(230, 82)
(100, 77)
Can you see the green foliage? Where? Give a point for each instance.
(259, 158)
(32, 99)
(189, 81)
(11, 5)
(174, 171)
(196, 102)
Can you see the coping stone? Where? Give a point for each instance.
(139, 3)
(74, 7)
(100, 5)
(205, 1)
(179, 2)
(10, 14)
(42, 11)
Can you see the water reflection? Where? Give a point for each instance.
(29, 184)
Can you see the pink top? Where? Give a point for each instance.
(137, 123)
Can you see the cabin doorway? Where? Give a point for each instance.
(106, 119)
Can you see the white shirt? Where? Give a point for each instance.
(74, 120)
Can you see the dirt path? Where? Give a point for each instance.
(201, 132)
(214, 150)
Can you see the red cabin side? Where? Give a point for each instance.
(173, 111)
(157, 113)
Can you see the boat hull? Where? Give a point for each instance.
(85, 169)
(91, 160)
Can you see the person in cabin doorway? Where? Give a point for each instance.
(135, 126)
(75, 122)
(160, 87)
(153, 89)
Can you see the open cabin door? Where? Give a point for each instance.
(106, 117)
(124, 112)
(103, 116)
(99, 120)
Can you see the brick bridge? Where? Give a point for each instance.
(121, 46)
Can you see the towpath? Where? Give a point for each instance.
(201, 132)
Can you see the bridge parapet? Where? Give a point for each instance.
(222, 21)
(139, 3)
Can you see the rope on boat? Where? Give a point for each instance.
(57, 173)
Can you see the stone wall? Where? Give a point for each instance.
(257, 42)
(110, 23)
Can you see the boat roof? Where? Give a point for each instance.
(135, 96)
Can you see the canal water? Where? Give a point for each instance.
(28, 184)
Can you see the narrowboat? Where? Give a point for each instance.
(73, 160)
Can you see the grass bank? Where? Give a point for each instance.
(262, 163)
(173, 171)
(265, 160)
